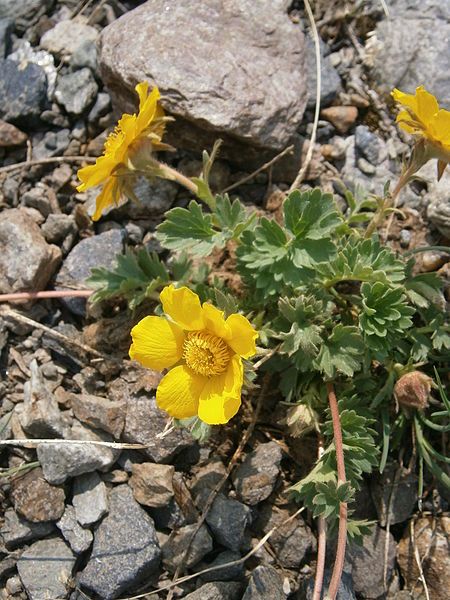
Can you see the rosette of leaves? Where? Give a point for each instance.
(385, 314)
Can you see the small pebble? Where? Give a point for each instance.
(405, 238)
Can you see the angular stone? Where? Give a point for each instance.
(17, 531)
(369, 145)
(6, 28)
(90, 498)
(67, 36)
(395, 43)
(330, 81)
(265, 584)
(35, 499)
(217, 591)
(431, 536)
(144, 420)
(228, 519)
(40, 416)
(215, 99)
(152, 484)
(23, 91)
(24, 12)
(27, 262)
(10, 135)
(369, 562)
(97, 251)
(342, 117)
(231, 573)
(59, 226)
(394, 494)
(256, 477)
(174, 548)
(45, 569)
(100, 413)
(76, 91)
(292, 541)
(345, 589)
(125, 548)
(60, 461)
(79, 539)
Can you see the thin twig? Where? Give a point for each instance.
(312, 140)
(342, 532)
(8, 312)
(261, 168)
(219, 485)
(47, 161)
(418, 560)
(46, 294)
(385, 8)
(322, 544)
(33, 443)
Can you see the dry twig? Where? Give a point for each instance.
(46, 294)
(46, 161)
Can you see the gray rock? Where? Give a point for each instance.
(330, 81)
(125, 548)
(23, 91)
(53, 143)
(438, 211)
(417, 36)
(96, 251)
(152, 484)
(368, 563)
(59, 226)
(100, 413)
(292, 542)
(79, 539)
(76, 91)
(45, 569)
(90, 499)
(42, 198)
(40, 415)
(101, 107)
(251, 88)
(11, 136)
(232, 573)
(7, 567)
(17, 531)
(174, 548)
(6, 27)
(217, 591)
(67, 36)
(369, 145)
(85, 56)
(35, 499)
(24, 53)
(394, 494)
(169, 516)
(265, 584)
(27, 262)
(143, 421)
(60, 461)
(345, 590)
(405, 236)
(24, 12)
(256, 477)
(155, 198)
(228, 519)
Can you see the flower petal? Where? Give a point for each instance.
(215, 321)
(183, 306)
(427, 105)
(157, 343)
(93, 175)
(179, 391)
(107, 197)
(147, 108)
(221, 397)
(243, 336)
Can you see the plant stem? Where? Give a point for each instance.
(177, 176)
(322, 545)
(48, 294)
(342, 533)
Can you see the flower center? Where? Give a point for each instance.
(205, 354)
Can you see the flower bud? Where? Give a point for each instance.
(413, 390)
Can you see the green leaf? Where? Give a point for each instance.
(188, 229)
(342, 352)
(311, 215)
(425, 289)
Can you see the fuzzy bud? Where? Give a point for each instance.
(413, 390)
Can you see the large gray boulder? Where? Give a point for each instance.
(226, 68)
(412, 47)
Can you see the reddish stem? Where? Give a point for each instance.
(50, 294)
(342, 533)
(321, 551)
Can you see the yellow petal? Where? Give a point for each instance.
(105, 198)
(221, 397)
(179, 391)
(183, 306)
(147, 110)
(93, 175)
(243, 336)
(408, 100)
(215, 321)
(441, 127)
(157, 343)
(427, 105)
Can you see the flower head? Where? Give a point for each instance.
(135, 136)
(413, 390)
(203, 351)
(422, 117)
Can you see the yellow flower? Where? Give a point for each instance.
(422, 117)
(203, 351)
(134, 135)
